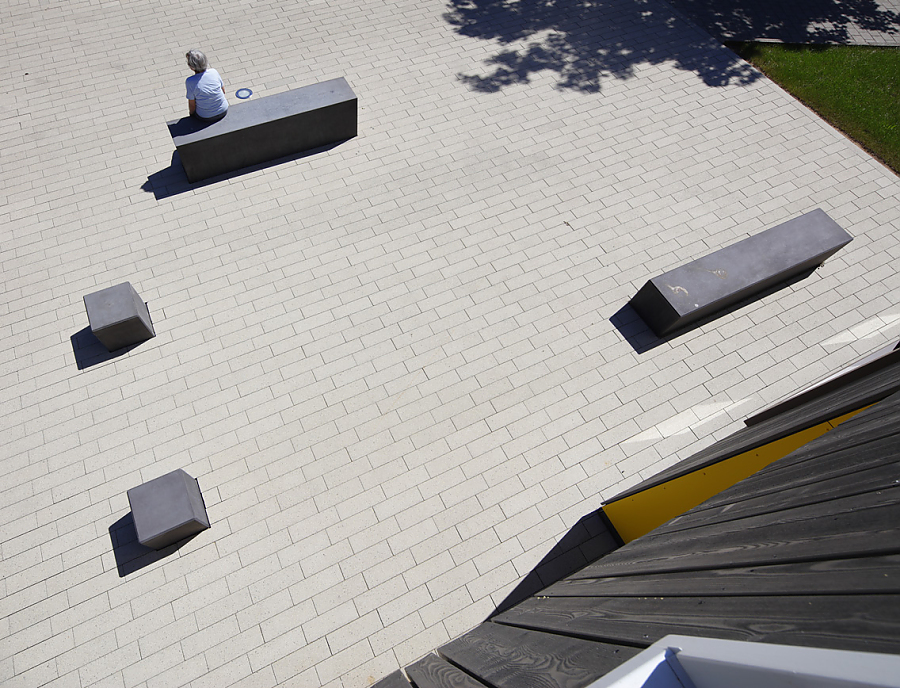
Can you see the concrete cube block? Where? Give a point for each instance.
(118, 316)
(167, 509)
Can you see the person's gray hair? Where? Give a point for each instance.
(197, 60)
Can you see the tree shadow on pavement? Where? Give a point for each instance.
(801, 21)
(585, 41)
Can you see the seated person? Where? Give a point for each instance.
(205, 90)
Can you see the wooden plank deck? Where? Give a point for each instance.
(507, 657)
(869, 389)
(805, 552)
(851, 622)
(434, 672)
(880, 574)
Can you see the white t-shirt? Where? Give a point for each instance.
(206, 89)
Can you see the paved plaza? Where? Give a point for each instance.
(401, 368)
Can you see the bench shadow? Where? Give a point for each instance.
(642, 339)
(588, 540)
(89, 351)
(188, 125)
(586, 41)
(130, 554)
(173, 181)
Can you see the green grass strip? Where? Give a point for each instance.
(855, 88)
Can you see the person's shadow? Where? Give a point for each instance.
(169, 181)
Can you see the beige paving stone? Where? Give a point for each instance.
(109, 665)
(324, 623)
(150, 666)
(341, 662)
(237, 645)
(223, 608)
(225, 675)
(154, 641)
(369, 671)
(417, 646)
(179, 675)
(300, 660)
(39, 675)
(354, 633)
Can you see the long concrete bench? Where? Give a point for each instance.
(265, 129)
(712, 283)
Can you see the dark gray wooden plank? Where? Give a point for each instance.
(856, 431)
(433, 672)
(505, 657)
(868, 623)
(393, 680)
(838, 534)
(830, 577)
(868, 364)
(808, 472)
(875, 507)
(869, 389)
(791, 497)
(810, 464)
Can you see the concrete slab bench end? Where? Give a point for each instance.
(689, 293)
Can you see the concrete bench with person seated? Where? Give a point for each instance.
(710, 284)
(265, 129)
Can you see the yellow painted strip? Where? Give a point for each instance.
(640, 513)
